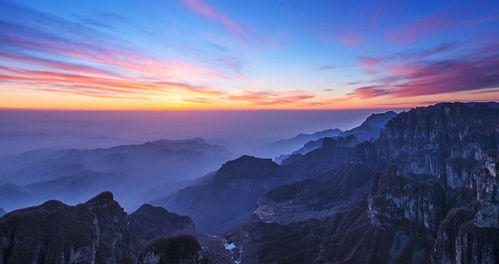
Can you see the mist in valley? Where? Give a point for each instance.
(142, 156)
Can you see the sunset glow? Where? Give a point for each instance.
(202, 54)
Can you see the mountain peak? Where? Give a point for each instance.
(104, 199)
(52, 204)
(379, 119)
(245, 165)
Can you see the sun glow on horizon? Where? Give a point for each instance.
(206, 55)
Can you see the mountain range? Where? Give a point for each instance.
(72, 175)
(369, 130)
(223, 201)
(303, 143)
(424, 189)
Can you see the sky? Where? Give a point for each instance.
(259, 54)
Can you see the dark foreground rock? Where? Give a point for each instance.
(99, 231)
(181, 249)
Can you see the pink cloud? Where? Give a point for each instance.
(436, 77)
(431, 25)
(350, 39)
(369, 64)
(205, 10)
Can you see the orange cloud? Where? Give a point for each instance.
(270, 98)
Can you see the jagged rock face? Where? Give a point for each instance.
(447, 140)
(344, 237)
(149, 223)
(315, 198)
(177, 250)
(440, 207)
(230, 196)
(93, 232)
(395, 200)
(460, 241)
(114, 238)
(50, 233)
(371, 128)
(333, 153)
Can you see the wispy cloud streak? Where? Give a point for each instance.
(59, 55)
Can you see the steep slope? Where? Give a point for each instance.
(369, 130)
(346, 236)
(150, 223)
(2, 212)
(315, 198)
(181, 250)
(291, 144)
(447, 140)
(332, 153)
(230, 195)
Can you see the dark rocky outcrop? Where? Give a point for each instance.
(176, 250)
(346, 236)
(459, 240)
(112, 223)
(49, 233)
(97, 231)
(57, 233)
(2, 212)
(317, 197)
(395, 200)
(230, 196)
(149, 223)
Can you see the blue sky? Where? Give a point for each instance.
(202, 54)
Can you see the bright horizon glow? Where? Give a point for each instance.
(223, 55)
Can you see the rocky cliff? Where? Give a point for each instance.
(99, 231)
(53, 232)
(181, 249)
(434, 199)
(230, 196)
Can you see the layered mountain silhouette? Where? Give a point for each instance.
(71, 175)
(230, 196)
(291, 144)
(424, 190)
(369, 130)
